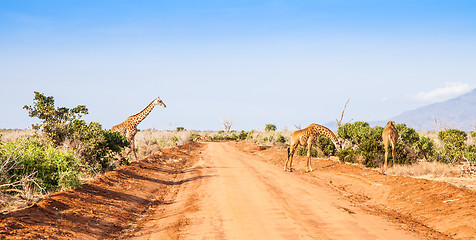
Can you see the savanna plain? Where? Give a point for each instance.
(231, 185)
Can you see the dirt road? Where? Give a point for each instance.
(234, 190)
(244, 198)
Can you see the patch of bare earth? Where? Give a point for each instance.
(108, 207)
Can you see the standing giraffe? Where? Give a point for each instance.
(128, 128)
(390, 137)
(308, 136)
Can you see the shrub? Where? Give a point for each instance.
(179, 129)
(359, 131)
(473, 134)
(243, 135)
(250, 134)
(270, 127)
(470, 153)
(57, 123)
(95, 146)
(425, 148)
(281, 139)
(454, 144)
(347, 155)
(371, 151)
(193, 136)
(408, 136)
(325, 145)
(302, 151)
(38, 159)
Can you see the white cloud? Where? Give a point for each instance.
(451, 90)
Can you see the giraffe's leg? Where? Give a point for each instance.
(286, 165)
(393, 154)
(134, 149)
(308, 167)
(290, 158)
(386, 156)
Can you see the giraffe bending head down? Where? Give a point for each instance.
(390, 137)
(306, 137)
(128, 128)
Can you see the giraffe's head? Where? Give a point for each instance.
(159, 102)
(389, 123)
(339, 144)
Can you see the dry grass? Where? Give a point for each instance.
(424, 169)
(8, 135)
(435, 171)
(264, 138)
(151, 141)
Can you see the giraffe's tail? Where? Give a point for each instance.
(288, 152)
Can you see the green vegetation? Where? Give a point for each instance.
(270, 127)
(367, 143)
(69, 147)
(65, 147)
(455, 147)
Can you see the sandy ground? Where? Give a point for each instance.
(233, 190)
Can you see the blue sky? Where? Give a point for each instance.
(255, 62)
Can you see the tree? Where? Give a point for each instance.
(94, 145)
(270, 127)
(339, 122)
(57, 123)
(227, 123)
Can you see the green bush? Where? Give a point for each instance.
(193, 136)
(95, 146)
(359, 131)
(38, 158)
(281, 139)
(372, 152)
(270, 127)
(454, 144)
(302, 151)
(325, 145)
(250, 134)
(57, 123)
(425, 148)
(221, 136)
(473, 134)
(243, 135)
(347, 155)
(408, 136)
(470, 153)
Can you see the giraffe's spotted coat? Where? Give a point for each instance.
(306, 137)
(390, 137)
(128, 128)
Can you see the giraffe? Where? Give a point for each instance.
(308, 136)
(390, 137)
(128, 128)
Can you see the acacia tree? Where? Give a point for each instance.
(57, 123)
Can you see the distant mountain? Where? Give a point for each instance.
(459, 113)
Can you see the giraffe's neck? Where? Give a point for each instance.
(326, 131)
(136, 119)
